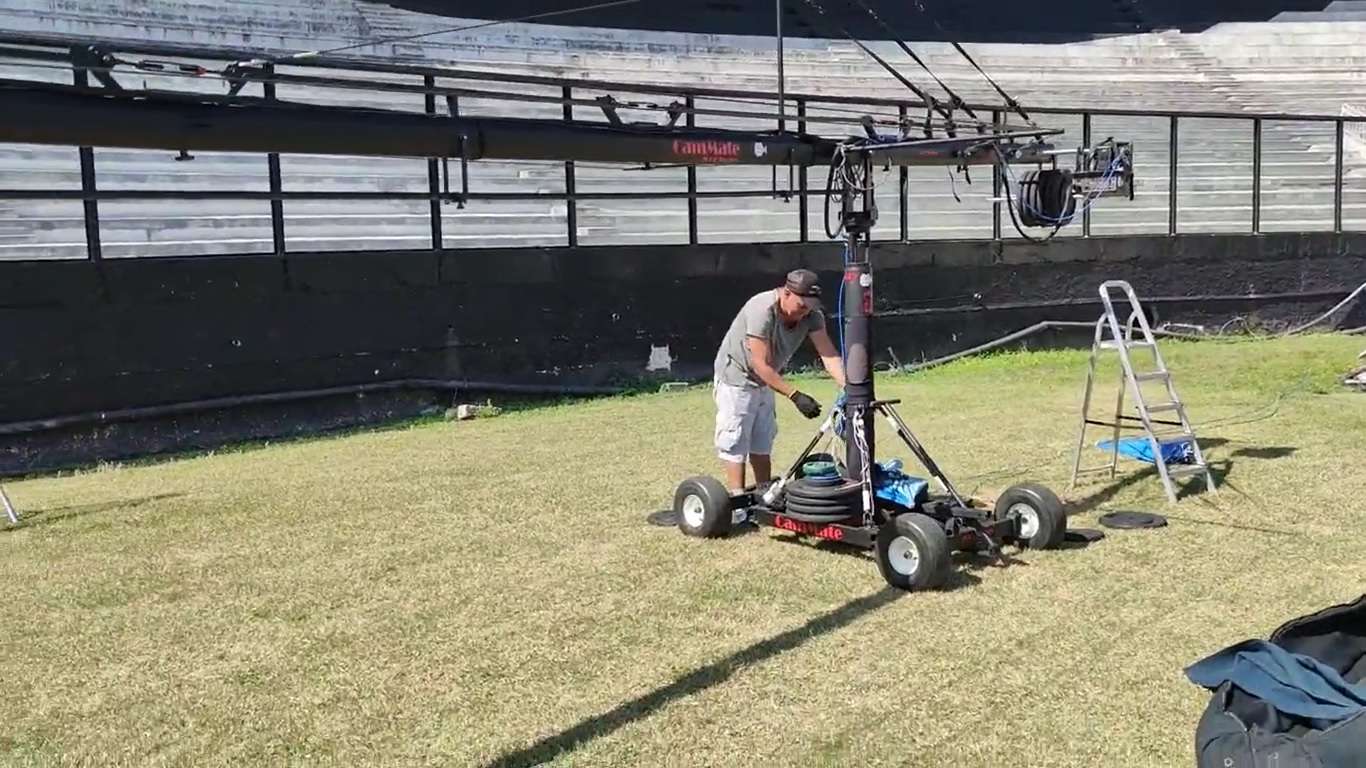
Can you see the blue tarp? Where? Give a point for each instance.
(1293, 683)
(889, 482)
(893, 485)
(1173, 452)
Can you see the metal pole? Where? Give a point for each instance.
(903, 189)
(778, 23)
(858, 330)
(277, 206)
(692, 181)
(997, 180)
(1171, 179)
(571, 206)
(92, 207)
(803, 212)
(433, 170)
(1256, 176)
(1086, 142)
(782, 101)
(1337, 179)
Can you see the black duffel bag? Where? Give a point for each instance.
(1259, 728)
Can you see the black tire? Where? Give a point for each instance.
(853, 502)
(833, 513)
(1042, 514)
(845, 518)
(807, 491)
(702, 505)
(913, 552)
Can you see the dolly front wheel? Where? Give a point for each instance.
(1043, 521)
(913, 552)
(703, 507)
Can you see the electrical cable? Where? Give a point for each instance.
(955, 102)
(1009, 100)
(1327, 314)
(1050, 324)
(929, 100)
(1008, 175)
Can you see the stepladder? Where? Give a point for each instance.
(10, 513)
(1156, 427)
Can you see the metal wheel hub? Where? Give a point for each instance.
(1029, 519)
(694, 511)
(904, 556)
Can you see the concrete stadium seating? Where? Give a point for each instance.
(1303, 64)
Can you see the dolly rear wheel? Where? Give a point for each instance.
(913, 552)
(1043, 521)
(703, 507)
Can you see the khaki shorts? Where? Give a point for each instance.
(746, 421)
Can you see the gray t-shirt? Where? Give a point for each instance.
(759, 317)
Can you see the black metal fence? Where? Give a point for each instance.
(85, 66)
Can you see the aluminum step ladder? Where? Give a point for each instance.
(1159, 432)
(9, 508)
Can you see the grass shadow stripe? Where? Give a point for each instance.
(694, 682)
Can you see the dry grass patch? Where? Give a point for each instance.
(485, 592)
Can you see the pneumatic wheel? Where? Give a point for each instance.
(913, 552)
(702, 505)
(1043, 521)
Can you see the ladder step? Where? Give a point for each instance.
(1181, 470)
(1153, 376)
(1160, 407)
(1163, 437)
(1112, 344)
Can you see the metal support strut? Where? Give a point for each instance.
(9, 508)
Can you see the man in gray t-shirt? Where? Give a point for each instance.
(758, 346)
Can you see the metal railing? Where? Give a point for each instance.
(325, 72)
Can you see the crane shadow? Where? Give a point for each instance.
(694, 682)
(33, 518)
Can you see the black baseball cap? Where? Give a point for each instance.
(804, 283)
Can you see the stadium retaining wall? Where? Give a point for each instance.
(88, 338)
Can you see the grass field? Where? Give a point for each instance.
(489, 592)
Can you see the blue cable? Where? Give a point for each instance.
(844, 360)
(1086, 205)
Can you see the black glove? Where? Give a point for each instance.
(806, 404)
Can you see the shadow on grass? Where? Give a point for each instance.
(1185, 487)
(957, 579)
(1081, 538)
(1237, 526)
(33, 518)
(1194, 486)
(1267, 452)
(1218, 470)
(694, 682)
(1102, 495)
(827, 546)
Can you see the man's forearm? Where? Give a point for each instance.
(835, 367)
(768, 375)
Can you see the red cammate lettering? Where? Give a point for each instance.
(811, 529)
(707, 150)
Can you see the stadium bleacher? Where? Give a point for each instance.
(1301, 63)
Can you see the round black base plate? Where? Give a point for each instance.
(1130, 519)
